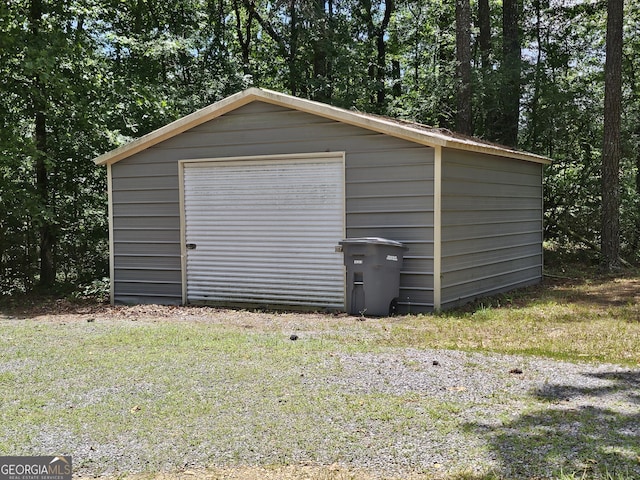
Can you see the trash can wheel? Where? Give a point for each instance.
(393, 307)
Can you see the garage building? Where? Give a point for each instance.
(243, 203)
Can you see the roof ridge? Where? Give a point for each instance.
(405, 129)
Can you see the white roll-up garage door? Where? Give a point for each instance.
(264, 230)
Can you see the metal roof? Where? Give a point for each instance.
(413, 132)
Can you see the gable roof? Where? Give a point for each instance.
(413, 132)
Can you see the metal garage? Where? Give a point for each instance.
(244, 201)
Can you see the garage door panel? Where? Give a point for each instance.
(265, 231)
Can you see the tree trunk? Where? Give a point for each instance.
(484, 42)
(378, 71)
(611, 151)
(288, 52)
(636, 239)
(532, 139)
(397, 78)
(47, 239)
(331, 25)
(463, 67)
(511, 66)
(389, 6)
(381, 70)
(244, 37)
(320, 54)
(484, 39)
(293, 48)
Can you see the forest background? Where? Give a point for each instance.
(80, 77)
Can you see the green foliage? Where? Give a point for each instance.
(97, 289)
(563, 115)
(101, 72)
(52, 68)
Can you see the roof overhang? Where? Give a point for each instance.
(405, 131)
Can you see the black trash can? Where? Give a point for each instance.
(373, 275)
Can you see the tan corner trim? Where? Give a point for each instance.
(261, 159)
(112, 266)
(437, 229)
(183, 233)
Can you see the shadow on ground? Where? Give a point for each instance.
(592, 291)
(591, 431)
(601, 292)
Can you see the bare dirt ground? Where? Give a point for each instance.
(62, 310)
(597, 291)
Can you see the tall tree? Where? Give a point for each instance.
(611, 151)
(322, 57)
(243, 33)
(377, 32)
(51, 86)
(484, 44)
(511, 69)
(39, 105)
(463, 67)
(484, 35)
(532, 137)
(286, 37)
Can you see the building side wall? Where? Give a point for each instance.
(389, 193)
(491, 225)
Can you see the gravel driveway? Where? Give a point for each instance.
(521, 417)
(433, 412)
(391, 412)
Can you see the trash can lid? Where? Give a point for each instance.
(372, 240)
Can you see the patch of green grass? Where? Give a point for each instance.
(588, 474)
(178, 386)
(596, 321)
(152, 395)
(186, 389)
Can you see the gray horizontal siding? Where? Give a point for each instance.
(479, 216)
(466, 261)
(487, 287)
(146, 233)
(503, 230)
(150, 263)
(389, 193)
(491, 225)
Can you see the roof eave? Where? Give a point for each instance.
(174, 128)
(380, 125)
(498, 151)
(354, 118)
(376, 124)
